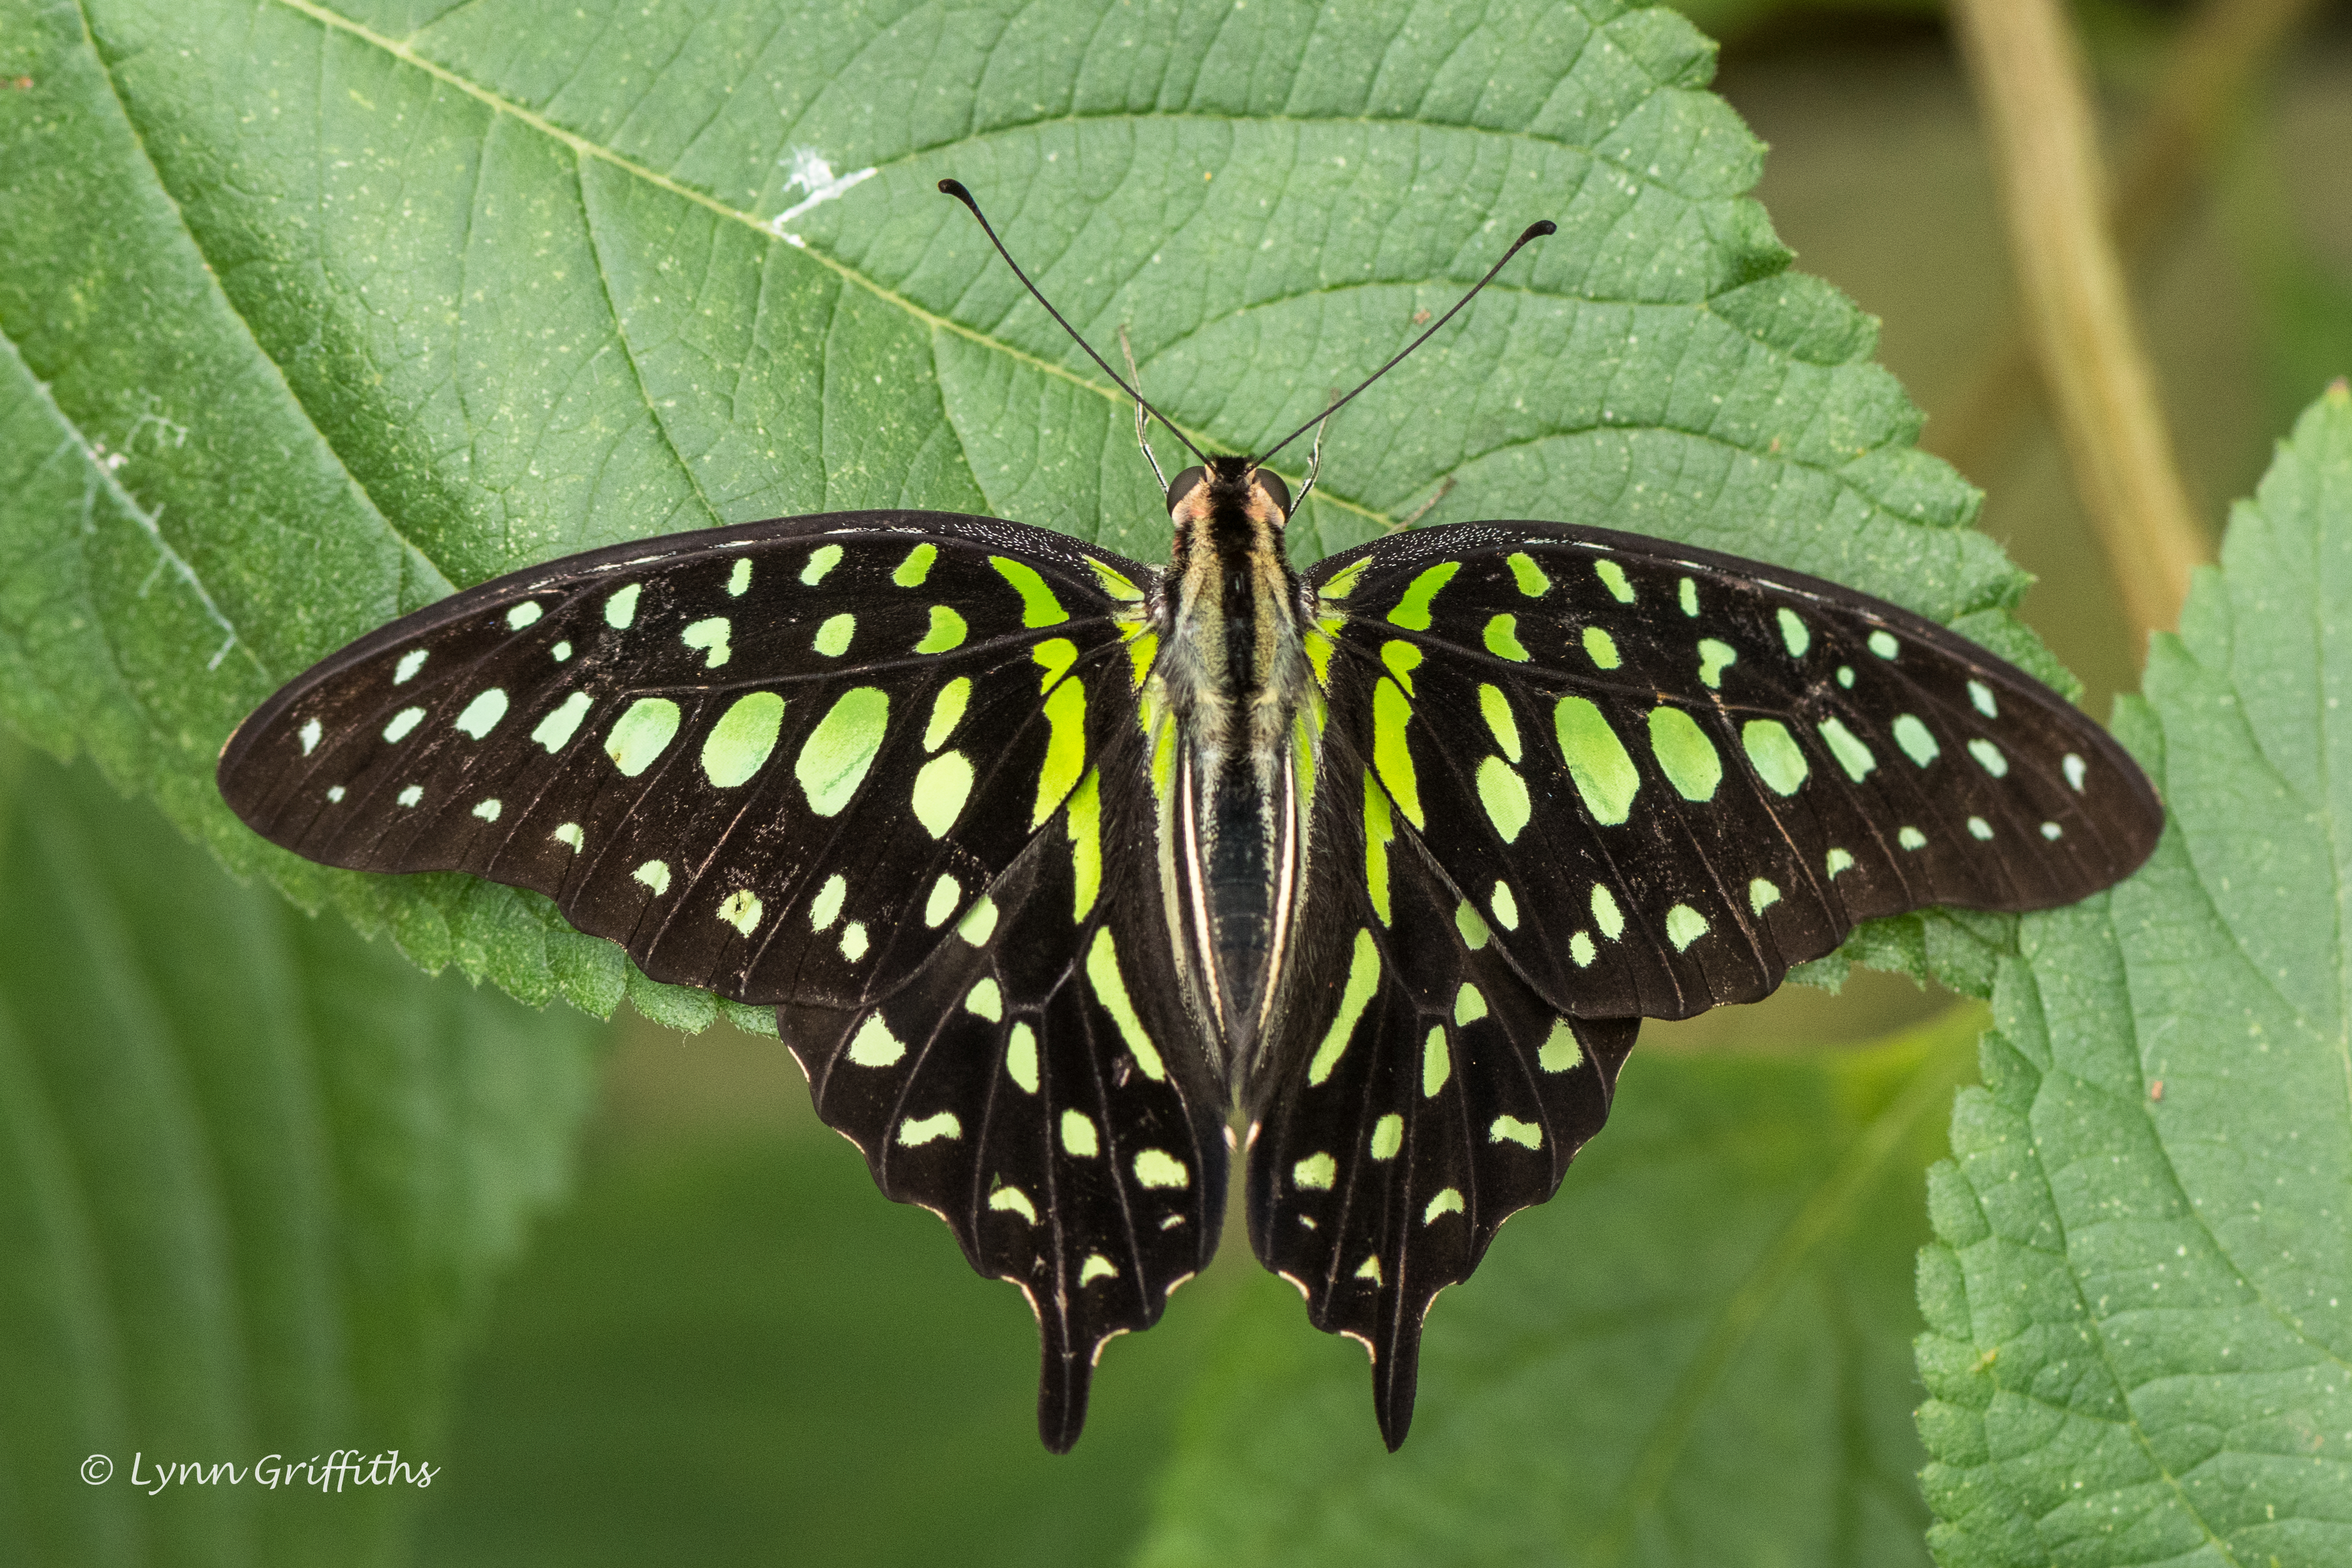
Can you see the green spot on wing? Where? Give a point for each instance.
(1501, 722)
(1066, 748)
(1773, 752)
(946, 712)
(947, 631)
(1083, 822)
(1363, 979)
(1504, 794)
(1503, 639)
(1380, 831)
(1511, 1130)
(1917, 742)
(1851, 753)
(1436, 1062)
(1685, 754)
(1597, 760)
(1316, 1173)
(482, 715)
(911, 571)
(1391, 710)
(822, 559)
(1612, 577)
(642, 735)
(739, 744)
(1412, 610)
(835, 757)
(1559, 1050)
(1038, 605)
(1714, 658)
(1400, 659)
(874, 1045)
(710, 635)
(942, 785)
(1343, 582)
(1605, 913)
(1528, 575)
(832, 637)
(1021, 1057)
(1158, 1168)
(1111, 989)
(562, 722)
(1794, 634)
(1600, 648)
(1684, 925)
(1387, 1137)
(1114, 581)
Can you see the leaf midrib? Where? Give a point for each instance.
(581, 146)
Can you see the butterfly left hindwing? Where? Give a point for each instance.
(1038, 1082)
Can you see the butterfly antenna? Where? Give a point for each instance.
(1534, 231)
(1126, 351)
(955, 188)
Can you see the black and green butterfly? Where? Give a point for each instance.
(1045, 857)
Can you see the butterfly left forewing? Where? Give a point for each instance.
(1414, 1097)
(769, 760)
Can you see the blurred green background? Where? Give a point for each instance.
(718, 1344)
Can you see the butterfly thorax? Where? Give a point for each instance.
(1233, 682)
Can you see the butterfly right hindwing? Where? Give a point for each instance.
(1418, 1100)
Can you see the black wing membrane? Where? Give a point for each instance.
(853, 765)
(1668, 775)
(1422, 1096)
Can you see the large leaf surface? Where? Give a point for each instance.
(2140, 1303)
(254, 1173)
(1694, 1356)
(312, 314)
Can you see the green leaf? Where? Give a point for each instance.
(254, 1175)
(313, 314)
(2140, 1305)
(733, 1349)
(1693, 1354)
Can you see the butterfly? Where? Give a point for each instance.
(1045, 857)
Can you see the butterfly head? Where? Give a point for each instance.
(1230, 487)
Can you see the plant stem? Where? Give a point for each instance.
(2220, 51)
(2028, 82)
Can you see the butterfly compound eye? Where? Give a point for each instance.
(1275, 490)
(1186, 483)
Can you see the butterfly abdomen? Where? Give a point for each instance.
(1235, 678)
